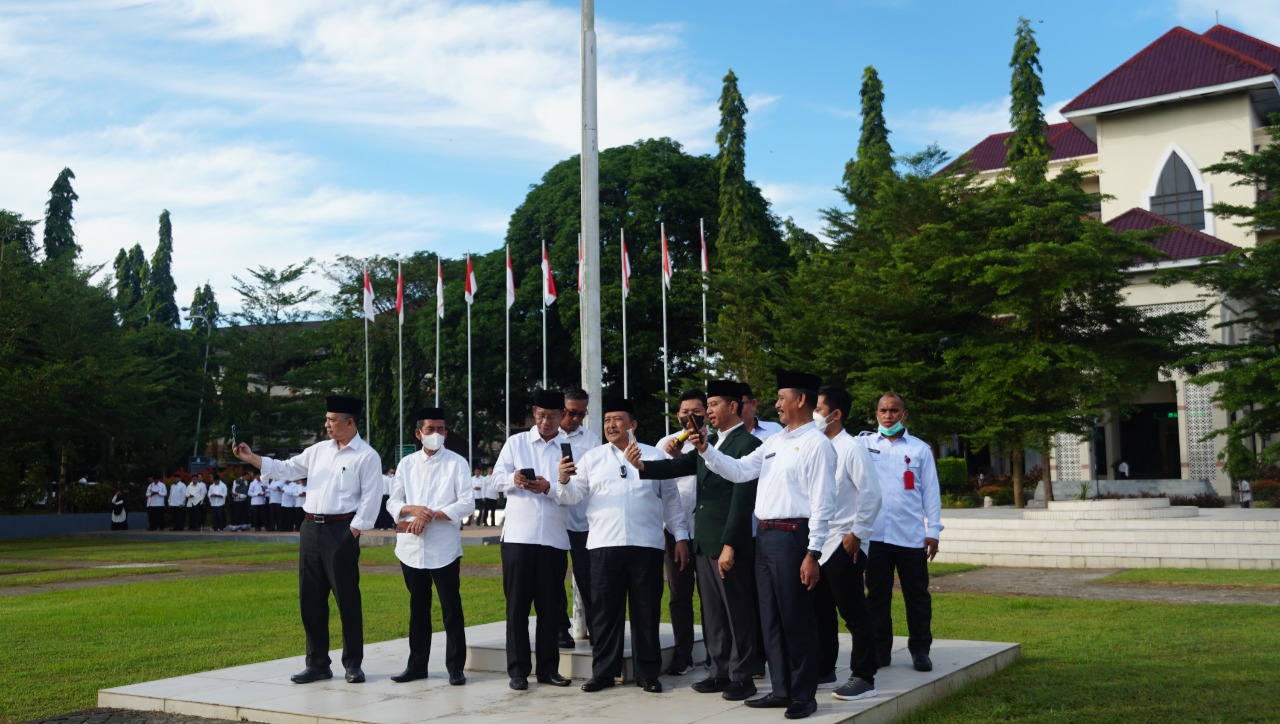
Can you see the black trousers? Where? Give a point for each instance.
(384, 521)
(419, 582)
(786, 613)
(622, 577)
(329, 562)
(219, 515)
(258, 516)
(681, 584)
(195, 517)
(490, 515)
(913, 575)
(581, 560)
(273, 517)
(155, 517)
(178, 516)
(840, 589)
(729, 622)
(533, 575)
(239, 512)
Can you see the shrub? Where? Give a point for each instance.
(1266, 490)
(953, 475)
(999, 495)
(950, 500)
(1200, 500)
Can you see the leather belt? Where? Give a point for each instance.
(333, 518)
(786, 525)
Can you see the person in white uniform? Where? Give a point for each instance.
(218, 504)
(345, 488)
(429, 499)
(156, 491)
(258, 503)
(625, 516)
(681, 580)
(581, 440)
(178, 504)
(196, 493)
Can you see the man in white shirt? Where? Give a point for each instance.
(905, 536)
(345, 488)
(275, 492)
(534, 542)
(258, 503)
(430, 498)
(289, 505)
(625, 516)
(761, 429)
(178, 504)
(156, 491)
(581, 440)
(490, 514)
(681, 580)
(477, 495)
(218, 504)
(196, 493)
(794, 503)
(844, 553)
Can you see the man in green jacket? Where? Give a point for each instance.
(723, 549)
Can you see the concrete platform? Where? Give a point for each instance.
(262, 692)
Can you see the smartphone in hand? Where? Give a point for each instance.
(566, 451)
(528, 474)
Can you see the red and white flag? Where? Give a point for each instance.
(582, 261)
(469, 291)
(400, 291)
(439, 288)
(666, 259)
(706, 261)
(511, 282)
(626, 268)
(368, 297)
(548, 281)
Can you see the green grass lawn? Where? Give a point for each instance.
(1268, 579)
(76, 574)
(139, 551)
(11, 568)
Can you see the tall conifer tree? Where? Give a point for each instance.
(161, 305)
(864, 173)
(59, 235)
(1028, 146)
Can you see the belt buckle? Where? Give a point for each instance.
(317, 518)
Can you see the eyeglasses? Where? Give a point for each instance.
(546, 417)
(575, 413)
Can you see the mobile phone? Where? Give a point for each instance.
(566, 451)
(528, 473)
(631, 436)
(699, 421)
(233, 437)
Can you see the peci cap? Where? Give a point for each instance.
(724, 388)
(429, 413)
(799, 381)
(549, 399)
(344, 405)
(619, 404)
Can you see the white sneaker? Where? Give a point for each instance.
(854, 688)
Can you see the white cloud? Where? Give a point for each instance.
(801, 202)
(959, 129)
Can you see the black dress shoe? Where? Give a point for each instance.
(566, 641)
(801, 709)
(457, 679)
(653, 686)
(553, 679)
(310, 674)
(739, 691)
(769, 701)
(596, 683)
(921, 662)
(355, 675)
(882, 662)
(711, 685)
(408, 675)
(519, 683)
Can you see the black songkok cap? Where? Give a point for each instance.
(724, 388)
(619, 404)
(343, 405)
(744, 390)
(429, 413)
(549, 399)
(799, 381)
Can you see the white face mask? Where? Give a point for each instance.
(821, 421)
(433, 441)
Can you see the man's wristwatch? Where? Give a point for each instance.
(815, 555)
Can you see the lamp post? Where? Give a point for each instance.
(208, 327)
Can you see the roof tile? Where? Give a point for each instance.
(1180, 242)
(1065, 141)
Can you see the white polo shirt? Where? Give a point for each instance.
(440, 482)
(535, 518)
(622, 509)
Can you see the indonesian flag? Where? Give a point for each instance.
(400, 291)
(469, 291)
(368, 297)
(626, 267)
(706, 262)
(511, 282)
(666, 259)
(582, 261)
(439, 288)
(548, 281)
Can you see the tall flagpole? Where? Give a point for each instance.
(471, 291)
(368, 312)
(439, 314)
(543, 266)
(507, 430)
(666, 391)
(706, 269)
(623, 250)
(400, 344)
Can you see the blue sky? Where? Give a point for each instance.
(274, 131)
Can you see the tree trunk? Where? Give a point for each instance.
(1045, 476)
(62, 478)
(1018, 459)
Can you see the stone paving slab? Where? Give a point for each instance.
(262, 692)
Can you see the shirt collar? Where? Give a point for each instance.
(725, 433)
(799, 430)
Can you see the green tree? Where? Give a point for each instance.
(130, 286)
(205, 303)
(59, 234)
(874, 161)
(160, 290)
(1028, 146)
(17, 245)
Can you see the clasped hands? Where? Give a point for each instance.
(421, 516)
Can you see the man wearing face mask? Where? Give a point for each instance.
(429, 499)
(794, 502)
(535, 542)
(844, 553)
(905, 536)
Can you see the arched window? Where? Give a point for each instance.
(1177, 197)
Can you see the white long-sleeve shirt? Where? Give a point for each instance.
(857, 495)
(155, 494)
(195, 494)
(289, 494)
(907, 516)
(796, 469)
(582, 440)
(338, 480)
(218, 494)
(257, 493)
(622, 509)
(275, 491)
(440, 482)
(688, 484)
(536, 518)
(177, 494)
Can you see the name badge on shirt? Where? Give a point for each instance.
(766, 457)
(909, 477)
